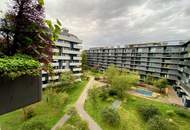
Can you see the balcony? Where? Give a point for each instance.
(61, 57)
(187, 56)
(64, 64)
(75, 64)
(54, 64)
(77, 46)
(60, 70)
(53, 77)
(55, 50)
(62, 44)
(43, 78)
(78, 75)
(77, 58)
(77, 69)
(71, 52)
(186, 70)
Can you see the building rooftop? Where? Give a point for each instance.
(69, 37)
(148, 44)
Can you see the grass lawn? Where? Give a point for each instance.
(94, 73)
(44, 112)
(130, 118)
(75, 123)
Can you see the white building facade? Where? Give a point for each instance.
(66, 57)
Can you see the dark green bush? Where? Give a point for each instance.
(97, 78)
(110, 116)
(34, 125)
(170, 113)
(18, 65)
(148, 112)
(93, 94)
(72, 111)
(68, 127)
(182, 113)
(28, 113)
(81, 125)
(55, 99)
(113, 92)
(104, 93)
(159, 123)
(67, 80)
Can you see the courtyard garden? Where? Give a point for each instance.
(45, 114)
(74, 122)
(114, 108)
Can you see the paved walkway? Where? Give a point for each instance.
(61, 122)
(80, 107)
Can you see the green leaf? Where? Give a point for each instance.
(50, 25)
(59, 22)
(41, 2)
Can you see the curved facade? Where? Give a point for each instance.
(66, 57)
(169, 59)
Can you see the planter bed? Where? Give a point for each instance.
(18, 93)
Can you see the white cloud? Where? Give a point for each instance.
(113, 22)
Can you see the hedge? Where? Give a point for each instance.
(18, 65)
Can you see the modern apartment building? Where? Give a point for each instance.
(66, 57)
(169, 59)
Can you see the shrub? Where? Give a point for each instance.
(68, 127)
(72, 111)
(55, 99)
(161, 83)
(81, 125)
(110, 116)
(182, 113)
(158, 123)
(97, 78)
(148, 112)
(28, 113)
(34, 125)
(67, 81)
(113, 92)
(104, 93)
(93, 93)
(170, 113)
(18, 65)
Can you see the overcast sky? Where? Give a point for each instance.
(119, 22)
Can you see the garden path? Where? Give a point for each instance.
(80, 107)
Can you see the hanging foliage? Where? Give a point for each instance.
(25, 30)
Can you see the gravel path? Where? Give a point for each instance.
(61, 122)
(80, 107)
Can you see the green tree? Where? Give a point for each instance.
(67, 80)
(188, 52)
(159, 123)
(122, 82)
(110, 116)
(149, 80)
(84, 61)
(111, 72)
(161, 83)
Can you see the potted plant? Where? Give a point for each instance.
(20, 82)
(26, 41)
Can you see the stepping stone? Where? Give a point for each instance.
(116, 104)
